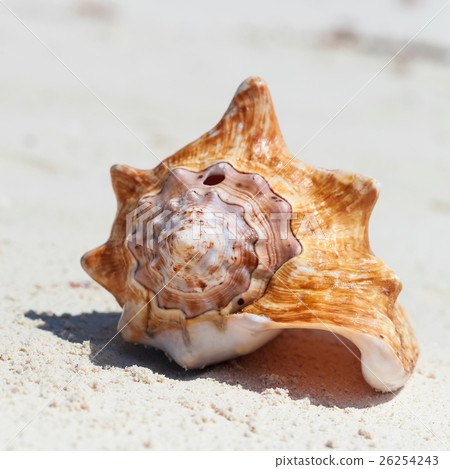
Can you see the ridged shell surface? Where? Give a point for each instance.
(257, 274)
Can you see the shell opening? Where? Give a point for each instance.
(214, 179)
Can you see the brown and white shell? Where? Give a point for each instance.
(231, 240)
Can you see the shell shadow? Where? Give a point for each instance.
(306, 363)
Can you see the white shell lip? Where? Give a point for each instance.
(207, 344)
(244, 333)
(380, 368)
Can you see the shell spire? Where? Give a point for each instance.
(231, 240)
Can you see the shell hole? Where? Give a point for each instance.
(240, 302)
(213, 179)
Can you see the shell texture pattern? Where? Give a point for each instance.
(231, 240)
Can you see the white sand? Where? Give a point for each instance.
(169, 74)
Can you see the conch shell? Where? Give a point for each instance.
(231, 240)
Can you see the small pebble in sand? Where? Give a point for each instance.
(365, 434)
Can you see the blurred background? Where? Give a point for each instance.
(85, 84)
(143, 78)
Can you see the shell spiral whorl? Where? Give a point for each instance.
(210, 241)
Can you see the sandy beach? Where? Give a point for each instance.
(88, 84)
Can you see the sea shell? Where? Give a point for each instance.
(231, 240)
